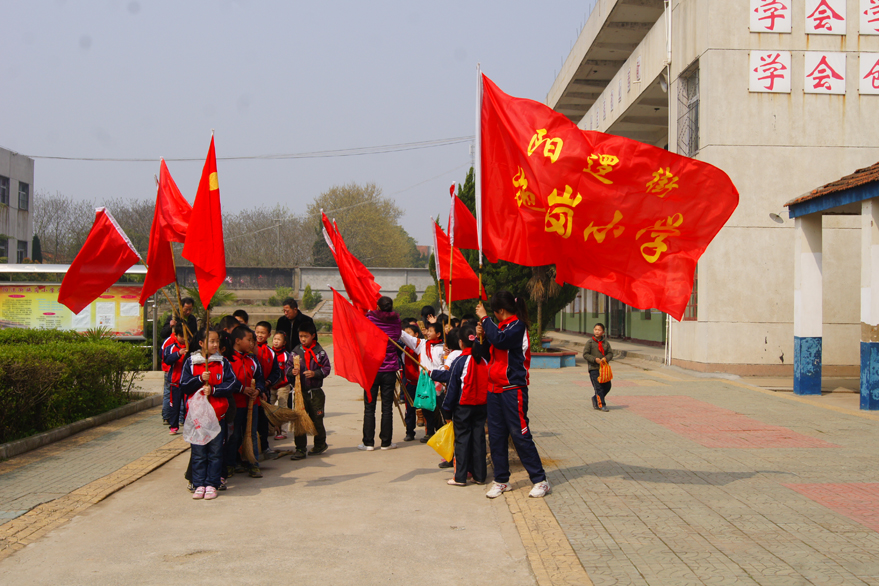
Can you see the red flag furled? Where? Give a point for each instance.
(462, 225)
(105, 256)
(465, 283)
(359, 282)
(614, 215)
(359, 346)
(204, 236)
(170, 221)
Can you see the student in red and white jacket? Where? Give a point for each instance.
(246, 367)
(173, 354)
(270, 371)
(508, 393)
(207, 461)
(465, 405)
(281, 389)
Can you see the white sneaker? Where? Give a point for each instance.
(390, 447)
(540, 490)
(497, 489)
(365, 448)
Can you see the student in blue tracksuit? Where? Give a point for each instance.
(465, 406)
(508, 393)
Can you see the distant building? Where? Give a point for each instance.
(16, 202)
(781, 97)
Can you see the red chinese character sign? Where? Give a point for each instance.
(869, 74)
(869, 12)
(770, 72)
(825, 17)
(771, 16)
(825, 73)
(613, 214)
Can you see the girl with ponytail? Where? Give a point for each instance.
(508, 392)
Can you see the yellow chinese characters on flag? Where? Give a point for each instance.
(613, 214)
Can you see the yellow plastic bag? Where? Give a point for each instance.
(443, 441)
(605, 374)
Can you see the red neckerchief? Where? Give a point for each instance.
(600, 346)
(503, 325)
(429, 344)
(309, 353)
(466, 351)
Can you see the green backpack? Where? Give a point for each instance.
(425, 393)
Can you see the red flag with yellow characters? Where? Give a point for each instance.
(614, 215)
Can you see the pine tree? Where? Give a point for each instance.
(36, 250)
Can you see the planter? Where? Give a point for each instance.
(553, 359)
(545, 342)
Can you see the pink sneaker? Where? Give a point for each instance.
(173, 430)
(210, 493)
(199, 493)
(280, 436)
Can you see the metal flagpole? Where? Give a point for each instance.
(478, 168)
(436, 263)
(451, 248)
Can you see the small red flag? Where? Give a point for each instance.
(614, 215)
(462, 225)
(203, 245)
(359, 345)
(105, 256)
(170, 221)
(359, 283)
(465, 283)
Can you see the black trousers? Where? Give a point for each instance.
(469, 422)
(411, 417)
(262, 428)
(601, 390)
(315, 400)
(384, 384)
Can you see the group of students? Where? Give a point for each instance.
(238, 371)
(480, 369)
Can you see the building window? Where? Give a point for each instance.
(21, 253)
(24, 191)
(4, 190)
(688, 111)
(4, 248)
(691, 313)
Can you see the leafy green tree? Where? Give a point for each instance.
(37, 250)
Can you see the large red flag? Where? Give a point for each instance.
(462, 225)
(105, 256)
(203, 245)
(613, 214)
(465, 283)
(170, 221)
(359, 283)
(359, 346)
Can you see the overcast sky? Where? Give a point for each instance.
(129, 79)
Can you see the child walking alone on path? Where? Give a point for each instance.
(596, 352)
(314, 367)
(508, 393)
(465, 405)
(209, 370)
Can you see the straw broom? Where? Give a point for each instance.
(303, 425)
(278, 416)
(247, 444)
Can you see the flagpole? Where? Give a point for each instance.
(478, 169)
(451, 249)
(436, 263)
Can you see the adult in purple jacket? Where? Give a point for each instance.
(388, 321)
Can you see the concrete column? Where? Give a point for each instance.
(870, 304)
(808, 299)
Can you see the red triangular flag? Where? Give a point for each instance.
(204, 236)
(359, 283)
(462, 225)
(170, 221)
(465, 283)
(359, 346)
(105, 256)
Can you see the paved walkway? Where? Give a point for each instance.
(688, 479)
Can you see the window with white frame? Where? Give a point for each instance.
(21, 253)
(4, 190)
(24, 191)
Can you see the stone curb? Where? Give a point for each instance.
(618, 354)
(33, 442)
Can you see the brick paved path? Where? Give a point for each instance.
(753, 493)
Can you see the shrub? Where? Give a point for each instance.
(310, 299)
(50, 378)
(406, 294)
(323, 326)
(281, 293)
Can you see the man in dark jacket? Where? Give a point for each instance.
(289, 323)
(388, 321)
(191, 322)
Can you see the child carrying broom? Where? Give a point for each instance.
(314, 368)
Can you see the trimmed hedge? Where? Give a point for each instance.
(50, 378)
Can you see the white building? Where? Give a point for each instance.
(780, 95)
(16, 198)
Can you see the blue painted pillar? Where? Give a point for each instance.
(870, 304)
(808, 301)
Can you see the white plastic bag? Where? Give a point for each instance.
(201, 425)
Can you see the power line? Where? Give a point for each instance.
(353, 152)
